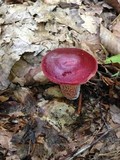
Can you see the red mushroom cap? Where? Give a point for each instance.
(69, 66)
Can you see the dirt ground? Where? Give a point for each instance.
(36, 121)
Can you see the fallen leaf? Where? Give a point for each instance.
(21, 35)
(115, 4)
(40, 77)
(111, 42)
(91, 23)
(62, 1)
(18, 72)
(25, 96)
(115, 114)
(61, 17)
(53, 92)
(116, 26)
(3, 98)
(58, 114)
(51, 1)
(13, 157)
(113, 59)
(5, 139)
(118, 134)
(14, 1)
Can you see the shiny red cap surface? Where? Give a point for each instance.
(69, 66)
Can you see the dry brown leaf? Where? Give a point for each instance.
(116, 26)
(61, 17)
(51, 1)
(13, 157)
(115, 4)
(26, 98)
(53, 92)
(118, 134)
(14, 1)
(58, 114)
(18, 72)
(116, 29)
(5, 139)
(91, 23)
(109, 40)
(3, 98)
(62, 1)
(21, 35)
(22, 94)
(115, 114)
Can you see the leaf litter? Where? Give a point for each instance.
(36, 121)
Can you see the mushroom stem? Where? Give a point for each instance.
(71, 92)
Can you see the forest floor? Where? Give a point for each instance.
(36, 121)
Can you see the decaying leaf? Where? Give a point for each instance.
(16, 157)
(18, 72)
(62, 1)
(24, 72)
(109, 40)
(40, 77)
(91, 23)
(115, 113)
(53, 92)
(51, 1)
(3, 98)
(59, 114)
(38, 27)
(25, 96)
(19, 36)
(61, 17)
(116, 26)
(14, 1)
(43, 124)
(115, 4)
(5, 139)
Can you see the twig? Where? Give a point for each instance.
(103, 118)
(88, 146)
(115, 19)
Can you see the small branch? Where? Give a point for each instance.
(103, 119)
(83, 149)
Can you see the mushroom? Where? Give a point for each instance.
(69, 67)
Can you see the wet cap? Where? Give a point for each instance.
(69, 66)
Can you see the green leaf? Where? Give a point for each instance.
(113, 59)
